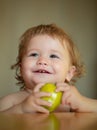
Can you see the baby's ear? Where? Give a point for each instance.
(70, 73)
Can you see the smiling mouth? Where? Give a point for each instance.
(42, 71)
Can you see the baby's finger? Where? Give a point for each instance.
(44, 103)
(63, 88)
(42, 109)
(65, 97)
(42, 94)
(37, 87)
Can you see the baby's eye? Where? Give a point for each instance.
(34, 54)
(54, 56)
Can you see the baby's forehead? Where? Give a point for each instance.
(62, 41)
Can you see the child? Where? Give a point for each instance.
(47, 55)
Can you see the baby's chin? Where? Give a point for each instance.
(44, 81)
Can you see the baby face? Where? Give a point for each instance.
(45, 60)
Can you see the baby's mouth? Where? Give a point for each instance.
(42, 71)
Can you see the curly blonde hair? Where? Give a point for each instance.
(55, 32)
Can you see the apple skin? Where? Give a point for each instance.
(55, 97)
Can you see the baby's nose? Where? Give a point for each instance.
(42, 61)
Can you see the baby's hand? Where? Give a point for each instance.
(71, 96)
(34, 103)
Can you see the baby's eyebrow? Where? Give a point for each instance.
(56, 51)
(30, 50)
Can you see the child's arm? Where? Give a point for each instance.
(11, 100)
(24, 102)
(29, 105)
(76, 101)
(88, 105)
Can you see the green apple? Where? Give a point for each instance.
(55, 97)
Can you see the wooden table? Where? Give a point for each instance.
(53, 121)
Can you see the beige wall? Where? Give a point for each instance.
(77, 17)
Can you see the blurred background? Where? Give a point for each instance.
(77, 17)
